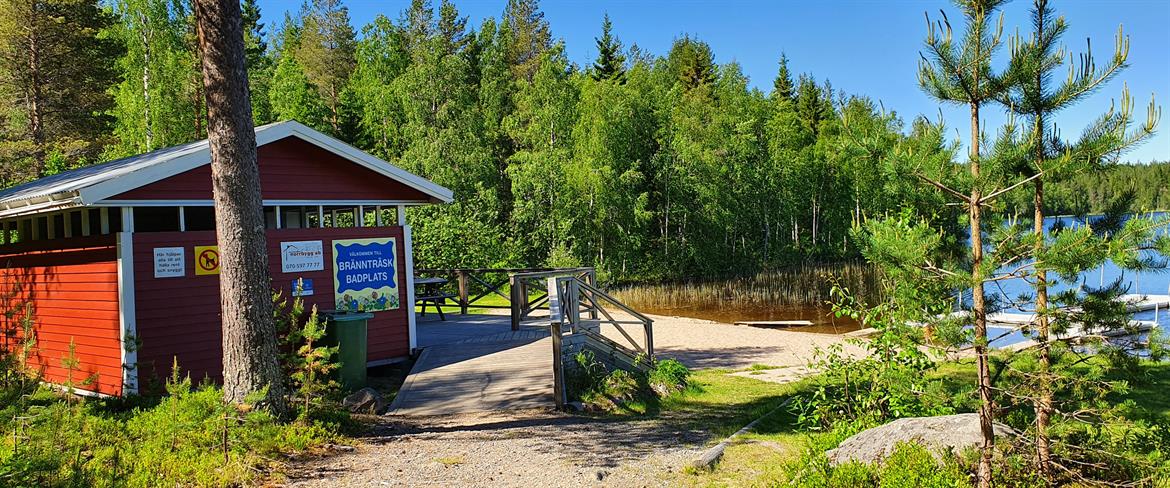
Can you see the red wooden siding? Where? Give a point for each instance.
(290, 169)
(179, 317)
(74, 292)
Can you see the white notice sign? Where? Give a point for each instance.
(169, 263)
(299, 256)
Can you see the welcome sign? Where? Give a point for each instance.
(364, 274)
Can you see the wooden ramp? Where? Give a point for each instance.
(501, 371)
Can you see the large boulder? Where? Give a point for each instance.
(365, 400)
(938, 434)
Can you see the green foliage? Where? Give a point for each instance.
(610, 61)
(891, 380)
(1093, 192)
(159, 100)
(598, 388)
(55, 68)
(308, 365)
(668, 376)
(909, 466)
(189, 438)
(646, 167)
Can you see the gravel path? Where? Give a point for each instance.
(521, 448)
(539, 448)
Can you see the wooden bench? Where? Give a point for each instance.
(437, 299)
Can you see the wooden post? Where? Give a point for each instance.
(461, 276)
(649, 331)
(573, 304)
(591, 280)
(517, 299)
(558, 368)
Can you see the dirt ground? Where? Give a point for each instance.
(704, 344)
(518, 448)
(546, 448)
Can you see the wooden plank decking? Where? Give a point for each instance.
(475, 363)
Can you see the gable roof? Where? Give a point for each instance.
(92, 184)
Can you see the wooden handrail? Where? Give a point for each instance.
(574, 295)
(487, 281)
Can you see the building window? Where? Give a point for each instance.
(95, 221)
(75, 228)
(292, 217)
(156, 219)
(41, 231)
(199, 218)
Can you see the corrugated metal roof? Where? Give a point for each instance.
(76, 179)
(91, 184)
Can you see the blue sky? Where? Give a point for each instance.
(862, 47)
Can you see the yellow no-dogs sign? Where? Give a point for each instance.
(206, 260)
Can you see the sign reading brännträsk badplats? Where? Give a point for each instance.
(364, 274)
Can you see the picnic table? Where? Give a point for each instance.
(430, 290)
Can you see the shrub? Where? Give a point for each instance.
(189, 438)
(668, 376)
(909, 466)
(890, 381)
(600, 389)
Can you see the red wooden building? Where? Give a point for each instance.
(118, 264)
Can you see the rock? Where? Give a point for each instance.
(365, 400)
(939, 434)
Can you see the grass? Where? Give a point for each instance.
(805, 285)
(191, 438)
(723, 403)
(491, 300)
(450, 461)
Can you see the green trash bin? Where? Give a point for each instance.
(347, 331)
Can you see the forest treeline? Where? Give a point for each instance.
(1145, 186)
(645, 165)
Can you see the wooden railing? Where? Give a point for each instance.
(578, 311)
(472, 285)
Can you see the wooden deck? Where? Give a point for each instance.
(476, 363)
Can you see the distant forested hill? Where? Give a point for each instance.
(1090, 192)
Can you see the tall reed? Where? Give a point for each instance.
(806, 285)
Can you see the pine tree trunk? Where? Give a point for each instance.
(249, 334)
(36, 109)
(979, 309)
(1044, 400)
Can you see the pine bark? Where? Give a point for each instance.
(36, 109)
(1044, 398)
(979, 309)
(249, 334)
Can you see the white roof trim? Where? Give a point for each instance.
(100, 185)
(200, 154)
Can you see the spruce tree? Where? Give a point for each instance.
(258, 62)
(782, 88)
(691, 62)
(610, 63)
(528, 37)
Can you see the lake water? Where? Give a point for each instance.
(760, 298)
(1155, 282)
